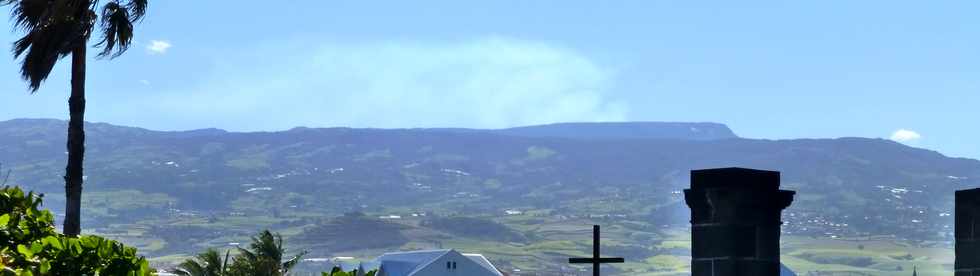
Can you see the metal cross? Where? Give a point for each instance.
(595, 260)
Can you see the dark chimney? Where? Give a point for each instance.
(967, 246)
(735, 221)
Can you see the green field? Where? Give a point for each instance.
(546, 240)
(651, 251)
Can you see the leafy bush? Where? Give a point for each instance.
(339, 272)
(30, 246)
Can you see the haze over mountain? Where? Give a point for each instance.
(612, 131)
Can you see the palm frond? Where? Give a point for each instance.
(70, 12)
(27, 14)
(288, 265)
(212, 262)
(224, 265)
(137, 9)
(117, 30)
(267, 245)
(190, 267)
(42, 47)
(53, 29)
(247, 255)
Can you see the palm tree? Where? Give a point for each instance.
(53, 30)
(264, 257)
(208, 263)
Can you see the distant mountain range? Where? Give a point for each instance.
(845, 186)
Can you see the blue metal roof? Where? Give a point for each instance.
(785, 271)
(403, 263)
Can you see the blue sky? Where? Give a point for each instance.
(768, 69)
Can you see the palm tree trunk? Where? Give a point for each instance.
(76, 143)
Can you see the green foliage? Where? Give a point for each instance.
(264, 256)
(208, 263)
(336, 271)
(30, 246)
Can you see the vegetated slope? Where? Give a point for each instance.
(476, 228)
(845, 186)
(353, 231)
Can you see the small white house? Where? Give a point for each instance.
(435, 263)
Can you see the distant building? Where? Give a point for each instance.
(434, 263)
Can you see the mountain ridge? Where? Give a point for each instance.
(573, 130)
(722, 131)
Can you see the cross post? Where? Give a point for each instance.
(596, 260)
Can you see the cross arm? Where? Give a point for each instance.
(612, 260)
(593, 260)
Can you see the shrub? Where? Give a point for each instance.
(30, 246)
(340, 272)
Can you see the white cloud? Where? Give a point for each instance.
(486, 83)
(905, 135)
(145, 82)
(158, 46)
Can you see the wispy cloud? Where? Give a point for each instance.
(158, 46)
(489, 82)
(905, 135)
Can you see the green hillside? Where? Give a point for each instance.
(174, 193)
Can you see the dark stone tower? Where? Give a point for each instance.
(967, 233)
(735, 221)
